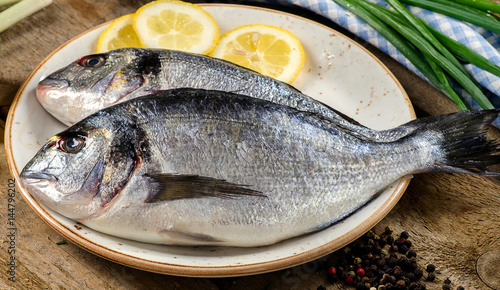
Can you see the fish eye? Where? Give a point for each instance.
(71, 144)
(95, 60)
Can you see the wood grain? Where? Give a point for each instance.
(452, 219)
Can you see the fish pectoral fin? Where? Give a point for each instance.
(178, 186)
(183, 238)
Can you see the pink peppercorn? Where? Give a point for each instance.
(332, 270)
(360, 272)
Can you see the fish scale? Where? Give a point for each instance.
(215, 168)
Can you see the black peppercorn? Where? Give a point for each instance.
(382, 242)
(407, 281)
(398, 271)
(418, 273)
(360, 286)
(400, 284)
(411, 253)
(431, 276)
(391, 262)
(342, 274)
(404, 235)
(380, 273)
(390, 240)
(392, 279)
(373, 268)
(381, 262)
(413, 266)
(446, 287)
(460, 288)
(402, 249)
(385, 279)
(447, 281)
(431, 268)
(321, 287)
(408, 243)
(404, 263)
(411, 276)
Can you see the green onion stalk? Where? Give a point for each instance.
(459, 50)
(19, 11)
(362, 8)
(431, 53)
(460, 12)
(486, 5)
(7, 2)
(395, 39)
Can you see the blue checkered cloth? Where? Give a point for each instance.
(484, 42)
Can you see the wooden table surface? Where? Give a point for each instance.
(452, 219)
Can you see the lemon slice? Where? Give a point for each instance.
(270, 50)
(176, 25)
(119, 34)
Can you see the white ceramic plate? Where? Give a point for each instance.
(338, 71)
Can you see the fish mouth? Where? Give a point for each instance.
(51, 88)
(30, 178)
(49, 84)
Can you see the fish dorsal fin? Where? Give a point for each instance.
(179, 186)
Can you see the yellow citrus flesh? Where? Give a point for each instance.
(119, 34)
(269, 50)
(176, 25)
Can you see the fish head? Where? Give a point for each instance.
(92, 83)
(79, 172)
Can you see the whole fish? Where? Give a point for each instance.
(196, 167)
(97, 81)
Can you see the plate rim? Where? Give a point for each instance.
(193, 270)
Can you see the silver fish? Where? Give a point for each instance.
(196, 167)
(97, 81)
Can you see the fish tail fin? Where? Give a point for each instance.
(465, 146)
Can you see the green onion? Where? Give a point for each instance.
(395, 39)
(456, 5)
(444, 80)
(428, 50)
(459, 50)
(7, 2)
(463, 52)
(420, 27)
(460, 12)
(19, 11)
(486, 5)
